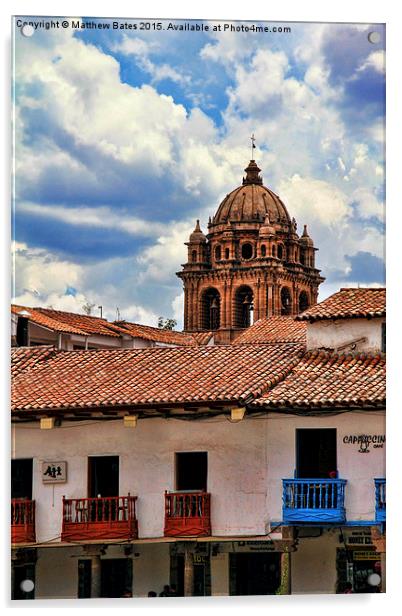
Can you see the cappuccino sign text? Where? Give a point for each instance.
(365, 441)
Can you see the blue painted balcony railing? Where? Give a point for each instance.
(380, 500)
(313, 500)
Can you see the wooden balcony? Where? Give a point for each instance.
(22, 520)
(187, 514)
(313, 501)
(380, 500)
(99, 518)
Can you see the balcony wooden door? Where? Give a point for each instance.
(191, 471)
(103, 476)
(21, 478)
(315, 453)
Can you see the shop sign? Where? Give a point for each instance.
(54, 472)
(365, 441)
(255, 546)
(365, 555)
(199, 559)
(358, 537)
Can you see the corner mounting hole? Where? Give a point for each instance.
(27, 30)
(374, 37)
(27, 585)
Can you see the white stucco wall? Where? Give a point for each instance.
(333, 334)
(246, 464)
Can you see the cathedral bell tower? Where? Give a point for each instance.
(251, 264)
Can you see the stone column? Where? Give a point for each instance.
(224, 304)
(185, 307)
(257, 301)
(95, 576)
(229, 301)
(188, 572)
(285, 587)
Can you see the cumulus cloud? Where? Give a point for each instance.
(375, 60)
(141, 51)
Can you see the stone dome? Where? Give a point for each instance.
(252, 201)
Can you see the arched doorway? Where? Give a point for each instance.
(286, 301)
(303, 301)
(210, 309)
(243, 307)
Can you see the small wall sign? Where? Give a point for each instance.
(365, 441)
(54, 472)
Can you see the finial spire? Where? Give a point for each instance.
(252, 146)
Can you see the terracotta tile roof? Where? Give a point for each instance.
(153, 376)
(68, 322)
(274, 329)
(156, 334)
(202, 337)
(26, 358)
(323, 379)
(348, 303)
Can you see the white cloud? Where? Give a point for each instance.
(375, 60)
(314, 200)
(368, 204)
(165, 257)
(39, 273)
(141, 50)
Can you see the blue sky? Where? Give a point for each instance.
(124, 138)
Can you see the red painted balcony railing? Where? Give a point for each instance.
(111, 517)
(22, 520)
(187, 514)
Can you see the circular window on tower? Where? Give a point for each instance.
(247, 251)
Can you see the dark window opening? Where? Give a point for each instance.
(263, 250)
(218, 253)
(103, 476)
(302, 258)
(116, 577)
(303, 301)
(254, 574)
(280, 252)
(315, 453)
(247, 251)
(21, 478)
(191, 471)
(194, 256)
(274, 251)
(286, 301)
(244, 307)
(22, 331)
(227, 253)
(84, 579)
(211, 310)
(21, 574)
